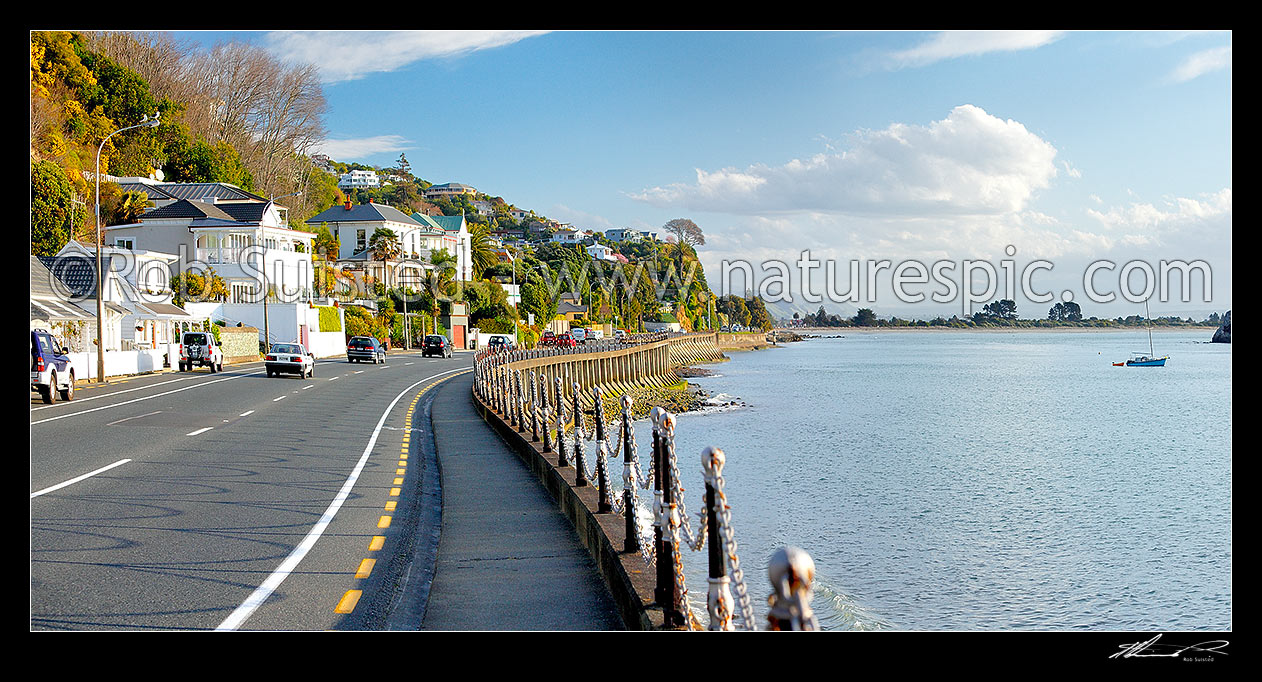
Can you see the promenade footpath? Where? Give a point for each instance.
(507, 559)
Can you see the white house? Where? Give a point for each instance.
(567, 236)
(484, 208)
(239, 240)
(359, 179)
(450, 189)
(600, 252)
(353, 226)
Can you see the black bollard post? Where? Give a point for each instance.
(543, 400)
(562, 459)
(632, 543)
(580, 478)
(719, 598)
(602, 463)
(534, 408)
(664, 594)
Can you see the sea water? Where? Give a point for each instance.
(977, 480)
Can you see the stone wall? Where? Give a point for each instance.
(240, 344)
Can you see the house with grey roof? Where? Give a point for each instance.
(238, 239)
(353, 226)
(449, 189)
(166, 193)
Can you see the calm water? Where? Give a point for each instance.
(979, 480)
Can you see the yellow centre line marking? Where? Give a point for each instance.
(400, 472)
(394, 492)
(383, 522)
(365, 568)
(398, 481)
(391, 505)
(348, 602)
(378, 541)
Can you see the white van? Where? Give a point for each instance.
(579, 334)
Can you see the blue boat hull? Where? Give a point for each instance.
(1159, 362)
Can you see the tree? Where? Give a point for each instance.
(53, 209)
(480, 250)
(864, 318)
(384, 246)
(130, 208)
(685, 232)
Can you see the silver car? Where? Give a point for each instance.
(289, 358)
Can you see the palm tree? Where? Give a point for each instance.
(131, 206)
(480, 251)
(385, 246)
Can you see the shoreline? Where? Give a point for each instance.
(842, 331)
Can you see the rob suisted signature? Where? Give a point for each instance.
(1151, 649)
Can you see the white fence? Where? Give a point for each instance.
(121, 362)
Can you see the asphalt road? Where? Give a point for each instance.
(232, 500)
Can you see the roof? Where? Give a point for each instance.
(361, 213)
(449, 223)
(186, 208)
(453, 185)
(196, 191)
(427, 221)
(566, 307)
(73, 279)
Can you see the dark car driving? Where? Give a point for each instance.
(365, 349)
(436, 345)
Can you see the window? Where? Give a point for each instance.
(127, 243)
(361, 240)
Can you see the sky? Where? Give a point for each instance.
(854, 147)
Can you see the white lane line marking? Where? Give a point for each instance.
(260, 595)
(112, 393)
(306, 387)
(79, 478)
(200, 431)
(280, 398)
(358, 371)
(120, 421)
(136, 400)
(246, 413)
(334, 378)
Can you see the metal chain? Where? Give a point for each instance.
(733, 562)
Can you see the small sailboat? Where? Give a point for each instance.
(1151, 359)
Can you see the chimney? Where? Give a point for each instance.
(348, 203)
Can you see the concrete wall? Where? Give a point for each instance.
(239, 344)
(119, 362)
(742, 340)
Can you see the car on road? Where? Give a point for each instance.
(579, 334)
(565, 341)
(620, 334)
(52, 372)
(365, 349)
(199, 349)
(548, 338)
(436, 344)
(289, 358)
(500, 342)
(596, 334)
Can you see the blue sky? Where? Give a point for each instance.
(1072, 147)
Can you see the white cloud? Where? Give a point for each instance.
(953, 44)
(340, 150)
(1175, 213)
(349, 55)
(1071, 171)
(1202, 63)
(970, 163)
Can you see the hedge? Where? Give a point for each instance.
(330, 321)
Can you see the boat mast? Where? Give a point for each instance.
(1149, 317)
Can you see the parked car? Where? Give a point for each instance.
(620, 334)
(595, 334)
(365, 349)
(52, 372)
(549, 338)
(500, 342)
(199, 349)
(289, 358)
(436, 344)
(579, 334)
(565, 341)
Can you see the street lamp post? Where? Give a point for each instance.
(145, 122)
(267, 336)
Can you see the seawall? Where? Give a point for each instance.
(518, 416)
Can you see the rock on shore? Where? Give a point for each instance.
(1223, 335)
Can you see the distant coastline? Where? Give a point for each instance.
(842, 331)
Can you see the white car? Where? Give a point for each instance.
(289, 358)
(598, 334)
(200, 349)
(579, 334)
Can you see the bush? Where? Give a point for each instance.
(330, 321)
